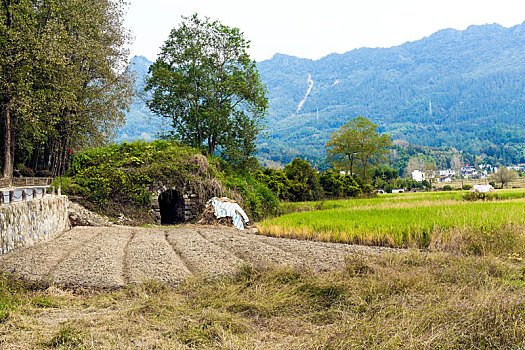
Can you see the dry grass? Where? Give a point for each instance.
(392, 301)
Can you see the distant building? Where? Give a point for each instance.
(399, 190)
(418, 176)
(446, 173)
(469, 171)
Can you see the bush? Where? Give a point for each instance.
(466, 187)
(259, 200)
(44, 173)
(305, 182)
(447, 188)
(276, 181)
(388, 188)
(475, 196)
(27, 172)
(335, 185)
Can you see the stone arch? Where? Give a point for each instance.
(172, 207)
(174, 204)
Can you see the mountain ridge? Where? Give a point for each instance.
(458, 88)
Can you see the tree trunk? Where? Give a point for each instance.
(9, 131)
(351, 159)
(9, 144)
(211, 145)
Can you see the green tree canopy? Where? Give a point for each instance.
(357, 143)
(63, 84)
(206, 83)
(305, 181)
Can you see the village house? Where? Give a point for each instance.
(418, 175)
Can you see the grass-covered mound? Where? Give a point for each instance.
(119, 179)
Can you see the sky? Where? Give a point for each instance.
(313, 29)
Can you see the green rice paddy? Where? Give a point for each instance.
(399, 220)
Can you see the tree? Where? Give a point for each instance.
(304, 181)
(335, 185)
(504, 176)
(357, 142)
(414, 163)
(430, 170)
(456, 163)
(63, 83)
(205, 82)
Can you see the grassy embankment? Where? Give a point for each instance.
(422, 220)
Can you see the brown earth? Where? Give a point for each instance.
(111, 257)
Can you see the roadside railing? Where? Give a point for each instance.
(25, 194)
(5, 182)
(32, 181)
(25, 181)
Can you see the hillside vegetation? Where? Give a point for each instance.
(453, 88)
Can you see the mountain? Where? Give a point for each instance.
(140, 122)
(462, 89)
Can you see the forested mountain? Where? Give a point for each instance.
(464, 89)
(140, 122)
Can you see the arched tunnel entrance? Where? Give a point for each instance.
(171, 205)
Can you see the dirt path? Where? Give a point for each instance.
(116, 256)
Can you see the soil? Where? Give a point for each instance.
(112, 257)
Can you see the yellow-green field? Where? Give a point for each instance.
(409, 220)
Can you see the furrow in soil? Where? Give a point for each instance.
(252, 250)
(150, 257)
(202, 256)
(98, 263)
(38, 261)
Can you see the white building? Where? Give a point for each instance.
(418, 176)
(446, 173)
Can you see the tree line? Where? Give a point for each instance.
(64, 84)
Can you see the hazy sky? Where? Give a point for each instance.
(313, 29)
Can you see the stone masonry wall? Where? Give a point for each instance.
(25, 223)
(192, 204)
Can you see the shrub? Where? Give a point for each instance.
(276, 181)
(27, 172)
(259, 200)
(335, 185)
(305, 182)
(447, 188)
(466, 187)
(475, 196)
(44, 173)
